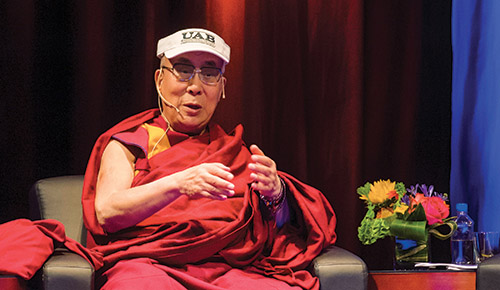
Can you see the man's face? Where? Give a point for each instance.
(195, 100)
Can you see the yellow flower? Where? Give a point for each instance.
(381, 190)
(402, 208)
(384, 212)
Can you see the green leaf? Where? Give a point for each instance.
(371, 230)
(400, 189)
(364, 190)
(418, 214)
(412, 230)
(444, 230)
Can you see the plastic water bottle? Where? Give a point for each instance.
(463, 250)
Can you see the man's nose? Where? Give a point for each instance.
(195, 84)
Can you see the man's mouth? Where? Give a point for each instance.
(192, 108)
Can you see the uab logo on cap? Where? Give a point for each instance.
(198, 36)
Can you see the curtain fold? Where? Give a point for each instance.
(476, 110)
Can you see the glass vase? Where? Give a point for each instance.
(409, 252)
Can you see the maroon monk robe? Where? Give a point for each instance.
(197, 231)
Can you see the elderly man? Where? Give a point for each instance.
(173, 202)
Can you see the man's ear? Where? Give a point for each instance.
(158, 77)
(159, 72)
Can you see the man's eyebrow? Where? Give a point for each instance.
(183, 60)
(210, 63)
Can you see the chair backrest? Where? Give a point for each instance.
(59, 198)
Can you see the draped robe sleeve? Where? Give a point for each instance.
(234, 230)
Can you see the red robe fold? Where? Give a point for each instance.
(25, 245)
(233, 231)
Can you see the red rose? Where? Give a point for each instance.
(435, 208)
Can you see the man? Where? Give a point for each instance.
(173, 202)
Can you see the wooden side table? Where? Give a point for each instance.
(420, 280)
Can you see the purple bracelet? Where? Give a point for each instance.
(275, 204)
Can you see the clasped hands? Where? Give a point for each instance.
(213, 180)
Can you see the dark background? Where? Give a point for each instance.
(337, 92)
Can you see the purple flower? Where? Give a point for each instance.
(426, 191)
(412, 190)
(406, 199)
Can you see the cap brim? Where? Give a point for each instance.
(193, 47)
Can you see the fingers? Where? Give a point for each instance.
(259, 157)
(261, 172)
(264, 173)
(217, 181)
(210, 180)
(256, 150)
(214, 192)
(221, 171)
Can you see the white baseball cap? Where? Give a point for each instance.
(193, 39)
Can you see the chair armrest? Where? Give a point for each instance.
(488, 274)
(337, 268)
(67, 270)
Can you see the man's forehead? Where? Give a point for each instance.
(187, 60)
(198, 58)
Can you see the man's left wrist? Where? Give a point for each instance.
(274, 204)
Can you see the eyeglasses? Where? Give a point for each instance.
(185, 72)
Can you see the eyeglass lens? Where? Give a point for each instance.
(207, 74)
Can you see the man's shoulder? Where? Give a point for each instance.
(135, 120)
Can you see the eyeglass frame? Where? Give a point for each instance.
(195, 71)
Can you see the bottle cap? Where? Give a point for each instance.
(462, 207)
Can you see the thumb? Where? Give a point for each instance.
(256, 150)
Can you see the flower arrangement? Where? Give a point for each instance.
(411, 214)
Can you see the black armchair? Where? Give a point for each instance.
(59, 198)
(488, 274)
